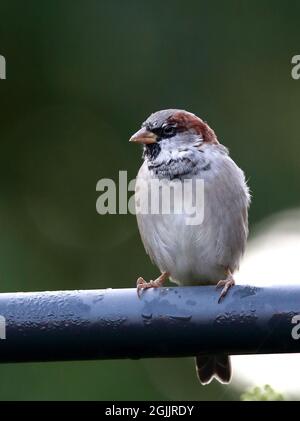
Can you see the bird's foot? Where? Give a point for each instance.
(226, 284)
(142, 284)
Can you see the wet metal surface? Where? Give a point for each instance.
(167, 322)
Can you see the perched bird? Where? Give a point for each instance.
(178, 145)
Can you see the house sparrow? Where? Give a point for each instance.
(178, 145)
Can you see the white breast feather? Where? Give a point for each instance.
(200, 254)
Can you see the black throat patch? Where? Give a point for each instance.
(151, 151)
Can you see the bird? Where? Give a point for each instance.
(180, 146)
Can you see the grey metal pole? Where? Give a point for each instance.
(167, 322)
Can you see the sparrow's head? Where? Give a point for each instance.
(173, 130)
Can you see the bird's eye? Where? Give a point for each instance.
(168, 131)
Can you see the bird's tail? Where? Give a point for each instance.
(210, 366)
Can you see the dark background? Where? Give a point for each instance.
(81, 77)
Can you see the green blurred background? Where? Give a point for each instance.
(81, 77)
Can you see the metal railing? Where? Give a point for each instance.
(166, 322)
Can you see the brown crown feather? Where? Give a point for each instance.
(187, 121)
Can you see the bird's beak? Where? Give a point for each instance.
(143, 136)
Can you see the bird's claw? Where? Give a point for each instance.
(226, 284)
(141, 284)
